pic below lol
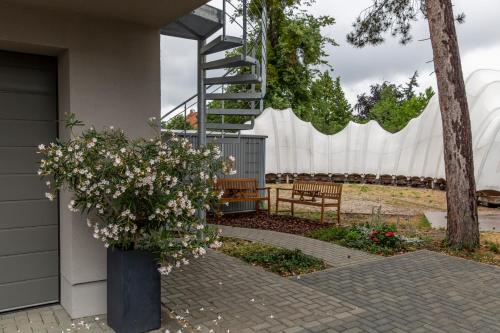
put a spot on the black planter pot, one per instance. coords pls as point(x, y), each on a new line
point(134, 300)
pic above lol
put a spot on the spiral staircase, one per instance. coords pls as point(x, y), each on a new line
point(230, 68)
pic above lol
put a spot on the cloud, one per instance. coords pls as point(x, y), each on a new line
point(178, 71)
point(358, 68)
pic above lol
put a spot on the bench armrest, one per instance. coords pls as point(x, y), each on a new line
point(263, 188)
point(284, 189)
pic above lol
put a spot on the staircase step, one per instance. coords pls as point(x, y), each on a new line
point(234, 61)
point(199, 24)
point(235, 112)
point(246, 96)
point(234, 79)
point(221, 43)
point(229, 127)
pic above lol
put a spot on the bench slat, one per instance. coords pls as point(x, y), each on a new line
point(242, 190)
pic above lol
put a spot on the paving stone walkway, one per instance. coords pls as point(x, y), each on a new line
point(50, 319)
point(487, 221)
point(223, 294)
point(422, 291)
point(54, 319)
point(334, 255)
point(417, 292)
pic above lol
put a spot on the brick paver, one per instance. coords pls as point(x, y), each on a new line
point(332, 254)
point(50, 319)
point(54, 319)
point(417, 292)
point(422, 291)
point(222, 293)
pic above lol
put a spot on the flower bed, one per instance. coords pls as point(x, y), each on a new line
point(375, 238)
point(274, 259)
point(261, 220)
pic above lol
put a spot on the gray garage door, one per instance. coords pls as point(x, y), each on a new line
point(29, 249)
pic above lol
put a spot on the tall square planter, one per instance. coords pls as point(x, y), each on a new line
point(134, 292)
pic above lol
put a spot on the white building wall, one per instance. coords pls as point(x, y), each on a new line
point(109, 74)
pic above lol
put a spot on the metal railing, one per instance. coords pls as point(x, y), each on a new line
point(259, 38)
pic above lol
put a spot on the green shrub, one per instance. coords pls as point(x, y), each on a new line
point(278, 260)
point(493, 247)
point(353, 235)
point(424, 223)
point(329, 234)
point(380, 238)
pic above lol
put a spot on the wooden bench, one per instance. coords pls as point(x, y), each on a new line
point(488, 198)
point(243, 190)
point(319, 194)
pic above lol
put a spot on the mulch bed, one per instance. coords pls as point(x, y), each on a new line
point(281, 223)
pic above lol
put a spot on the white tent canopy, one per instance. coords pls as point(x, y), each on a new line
point(295, 146)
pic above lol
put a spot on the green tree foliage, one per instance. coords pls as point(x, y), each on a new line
point(366, 102)
point(177, 123)
point(330, 109)
point(394, 16)
point(392, 114)
point(392, 106)
point(295, 49)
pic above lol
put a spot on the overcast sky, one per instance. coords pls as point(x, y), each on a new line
point(479, 40)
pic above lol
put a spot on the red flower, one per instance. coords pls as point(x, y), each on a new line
point(374, 232)
point(375, 239)
point(390, 234)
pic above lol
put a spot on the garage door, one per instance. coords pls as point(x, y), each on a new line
point(29, 249)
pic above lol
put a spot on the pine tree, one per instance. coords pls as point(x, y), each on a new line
point(396, 17)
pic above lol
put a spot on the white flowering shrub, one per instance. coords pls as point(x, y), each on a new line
point(144, 193)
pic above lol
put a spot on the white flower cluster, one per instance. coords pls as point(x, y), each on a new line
point(127, 214)
point(111, 232)
point(165, 270)
point(145, 192)
point(50, 196)
point(216, 244)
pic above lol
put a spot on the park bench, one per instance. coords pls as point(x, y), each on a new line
point(488, 198)
point(386, 180)
point(354, 178)
point(321, 177)
point(318, 194)
point(271, 178)
point(243, 190)
point(338, 177)
point(371, 179)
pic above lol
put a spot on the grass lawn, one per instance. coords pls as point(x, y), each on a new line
point(395, 200)
point(274, 259)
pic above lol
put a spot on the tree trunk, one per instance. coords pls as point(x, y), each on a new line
point(462, 227)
